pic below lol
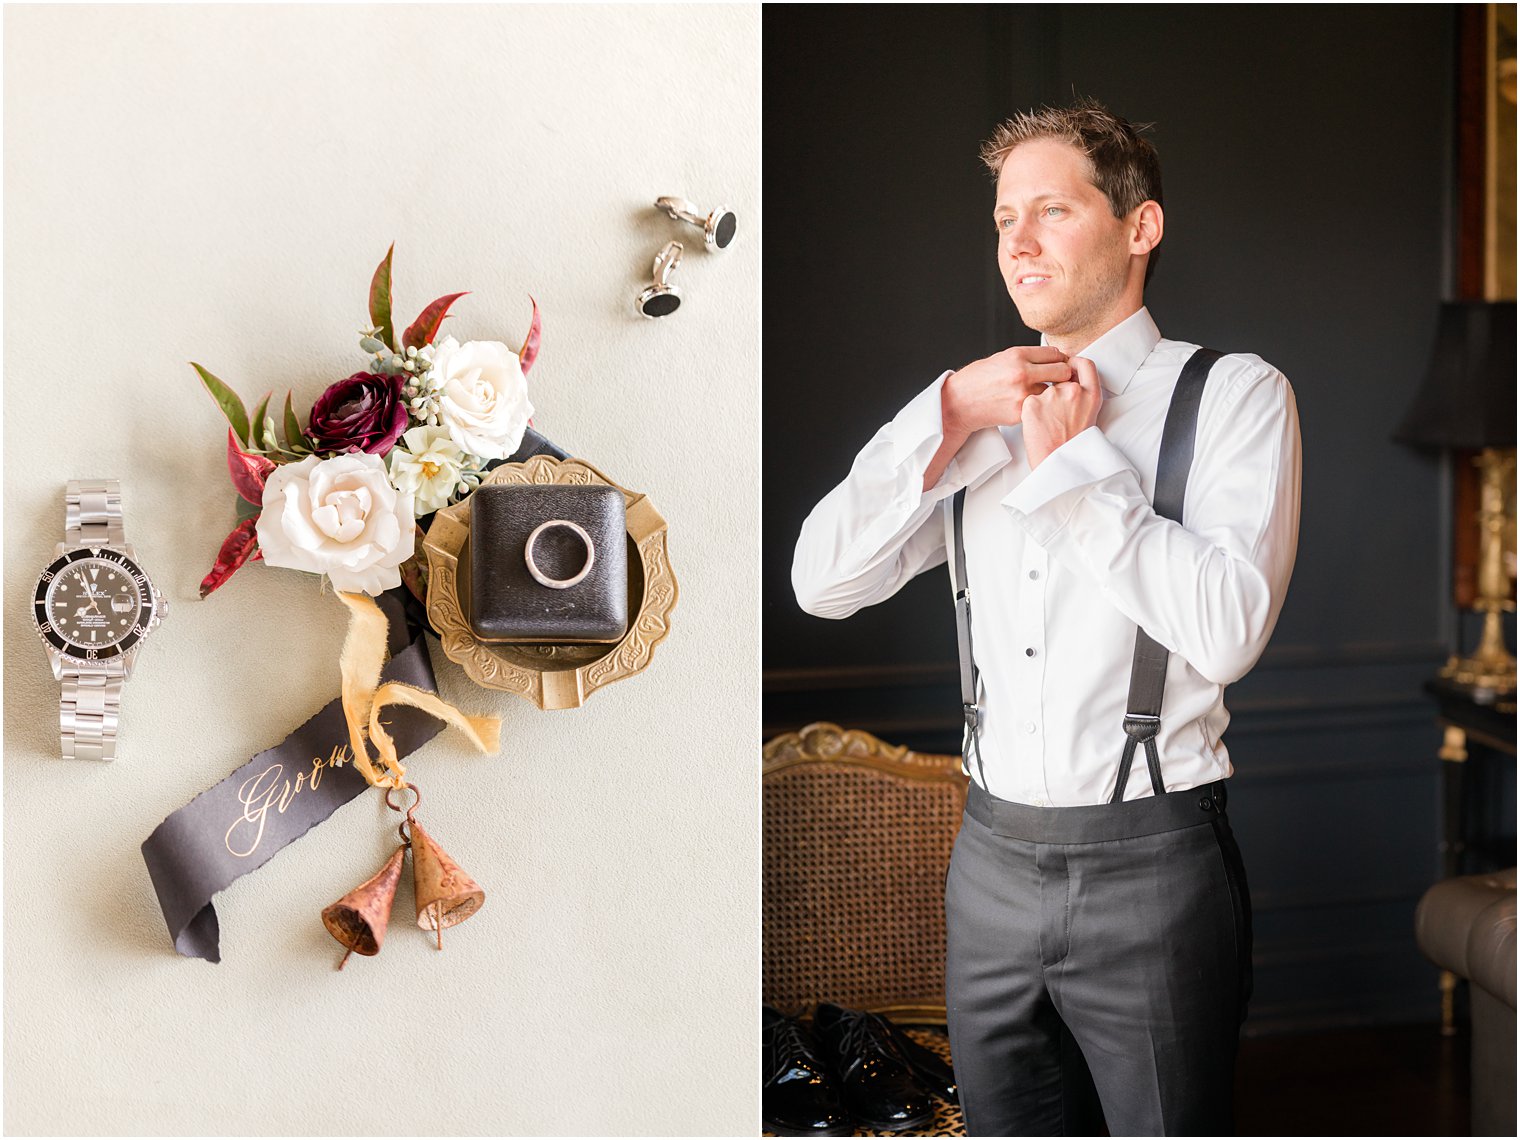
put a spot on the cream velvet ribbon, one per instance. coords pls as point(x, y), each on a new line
point(364, 697)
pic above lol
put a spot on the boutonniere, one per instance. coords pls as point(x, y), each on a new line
point(409, 434)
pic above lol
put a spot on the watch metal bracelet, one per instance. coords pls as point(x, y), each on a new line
point(92, 513)
point(90, 707)
point(89, 711)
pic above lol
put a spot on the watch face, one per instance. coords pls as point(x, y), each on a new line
point(93, 604)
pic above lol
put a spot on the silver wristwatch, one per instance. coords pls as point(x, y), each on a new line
point(92, 608)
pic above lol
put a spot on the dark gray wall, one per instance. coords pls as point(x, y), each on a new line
point(1306, 160)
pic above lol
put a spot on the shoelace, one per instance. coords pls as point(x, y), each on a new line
point(865, 1029)
point(788, 1045)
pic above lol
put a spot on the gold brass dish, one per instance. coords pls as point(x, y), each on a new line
point(551, 676)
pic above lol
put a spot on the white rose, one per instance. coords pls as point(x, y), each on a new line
point(428, 465)
point(340, 517)
point(482, 396)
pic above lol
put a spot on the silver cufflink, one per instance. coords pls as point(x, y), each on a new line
point(662, 298)
point(717, 227)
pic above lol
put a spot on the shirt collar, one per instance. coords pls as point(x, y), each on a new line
point(1119, 353)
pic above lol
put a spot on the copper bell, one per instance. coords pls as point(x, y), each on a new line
point(359, 918)
point(446, 896)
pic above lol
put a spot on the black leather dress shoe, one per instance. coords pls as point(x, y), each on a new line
point(877, 1086)
point(799, 1097)
point(927, 1065)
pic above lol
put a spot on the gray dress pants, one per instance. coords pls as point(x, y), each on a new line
point(1098, 966)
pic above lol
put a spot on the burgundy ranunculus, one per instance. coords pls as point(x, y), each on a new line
point(363, 413)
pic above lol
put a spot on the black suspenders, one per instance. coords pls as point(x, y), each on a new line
point(970, 743)
point(1147, 683)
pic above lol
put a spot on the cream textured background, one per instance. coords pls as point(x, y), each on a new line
point(217, 184)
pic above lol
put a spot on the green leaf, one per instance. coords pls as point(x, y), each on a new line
point(271, 440)
point(228, 401)
point(256, 421)
point(247, 510)
point(380, 300)
point(292, 425)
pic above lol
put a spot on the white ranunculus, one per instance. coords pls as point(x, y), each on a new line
point(340, 517)
point(428, 465)
point(482, 396)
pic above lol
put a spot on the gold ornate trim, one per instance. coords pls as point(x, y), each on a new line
point(901, 1014)
point(823, 742)
point(552, 676)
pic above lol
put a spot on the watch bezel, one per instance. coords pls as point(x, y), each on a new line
point(85, 654)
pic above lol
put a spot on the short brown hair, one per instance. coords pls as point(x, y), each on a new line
point(1123, 164)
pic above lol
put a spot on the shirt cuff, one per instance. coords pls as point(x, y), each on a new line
point(1044, 501)
point(916, 432)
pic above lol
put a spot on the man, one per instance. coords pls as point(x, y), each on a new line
point(1098, 928)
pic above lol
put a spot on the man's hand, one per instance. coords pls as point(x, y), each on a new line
point(991, 392)
point(1061, 412)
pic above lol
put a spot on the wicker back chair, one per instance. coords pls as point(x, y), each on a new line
point(857, 841)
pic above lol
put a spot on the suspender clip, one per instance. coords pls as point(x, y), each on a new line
point(973, 717)
point(1139, 726)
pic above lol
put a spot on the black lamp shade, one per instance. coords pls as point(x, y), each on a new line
point(1468, 398)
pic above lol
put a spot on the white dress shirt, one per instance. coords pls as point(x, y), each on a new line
point(1064, 562)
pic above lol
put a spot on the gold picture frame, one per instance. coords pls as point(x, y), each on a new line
point(1499, 165)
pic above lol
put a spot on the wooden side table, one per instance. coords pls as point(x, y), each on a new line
point(1463, 719)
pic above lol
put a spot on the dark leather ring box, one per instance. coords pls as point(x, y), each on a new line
point(507, 604)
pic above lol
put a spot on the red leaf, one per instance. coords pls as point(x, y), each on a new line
point(425, 327)
point(242, 542)
point(248, 471)
point(529, 351)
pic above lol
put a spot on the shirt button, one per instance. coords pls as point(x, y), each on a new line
point(1034, 575)
point(1029, 726)
point(1029, 652)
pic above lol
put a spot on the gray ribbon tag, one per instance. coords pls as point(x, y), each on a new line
point(241, 823)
